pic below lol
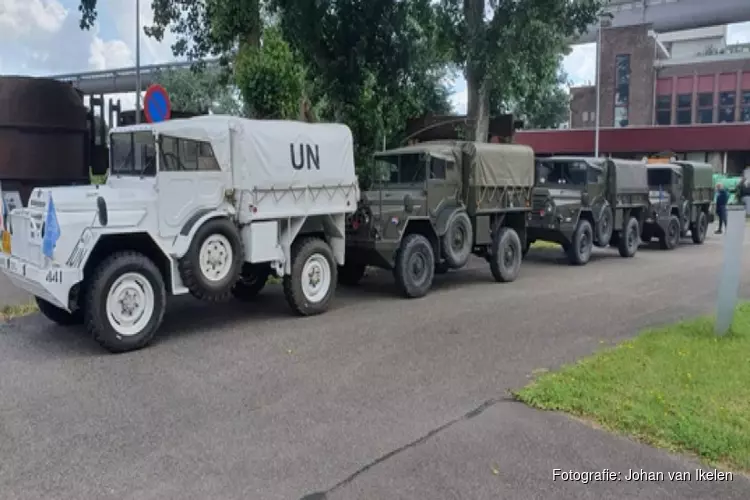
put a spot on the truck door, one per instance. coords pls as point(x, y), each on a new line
point(190, 180)
point(442, 183)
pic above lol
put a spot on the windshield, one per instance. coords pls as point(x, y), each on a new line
point(401, 169)
point(133, 153)
point(562, 172)
point(659, 176)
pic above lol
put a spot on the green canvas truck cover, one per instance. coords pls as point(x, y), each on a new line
point(500, 165)
point(697, 175)
point(492, 165)
point(632, 176)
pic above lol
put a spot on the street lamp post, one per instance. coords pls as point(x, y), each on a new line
point(598, 89)
point(137, 61)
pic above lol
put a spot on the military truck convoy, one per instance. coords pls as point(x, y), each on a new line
point(215, 205)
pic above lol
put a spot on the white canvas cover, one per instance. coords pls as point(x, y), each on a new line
point(259, 152)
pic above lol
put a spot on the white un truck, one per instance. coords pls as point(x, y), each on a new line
point(211, 205)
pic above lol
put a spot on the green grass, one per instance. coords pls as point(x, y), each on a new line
point(678, 387)
point(544, 244)
point(9, 312)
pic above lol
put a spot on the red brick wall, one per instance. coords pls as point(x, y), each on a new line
point(582, 100)
point(635, 41)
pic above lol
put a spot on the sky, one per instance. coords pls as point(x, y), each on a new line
point(42, 37)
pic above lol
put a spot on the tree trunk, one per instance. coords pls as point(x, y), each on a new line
point(478, 106)
point(478, 85)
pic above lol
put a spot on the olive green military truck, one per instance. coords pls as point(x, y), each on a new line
point(434, 204)
point(580, 202)
point(680, 198)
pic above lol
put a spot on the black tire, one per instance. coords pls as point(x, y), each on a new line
point(604, 227)
point(57, 315)
point(699, 228)
point(670, 238)
point(138, 272)
point(579, 252)
point(628, 242)
point(507, 254)
point(194, 277)
point(319, 255)
point(458, 240)
point(415, 266)
point(252, 280)
point(351, 273)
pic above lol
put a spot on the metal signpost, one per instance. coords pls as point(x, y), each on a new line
point(156, 105)
point(729, 279)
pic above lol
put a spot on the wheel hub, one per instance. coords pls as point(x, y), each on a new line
point(130, 304)
point(316, 278)
point(216, 257)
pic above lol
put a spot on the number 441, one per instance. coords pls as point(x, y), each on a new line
point(54, 276)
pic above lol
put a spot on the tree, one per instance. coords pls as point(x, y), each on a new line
point(508, 50)
point(200, 91)
point(271, 78)
point(547, 109)
point(374, 63)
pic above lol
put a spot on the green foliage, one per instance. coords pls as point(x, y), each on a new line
point(513, 56)
point(374, 63)
point(680, 387)
point(200, 91)
point(270, 78)
point(548, 108)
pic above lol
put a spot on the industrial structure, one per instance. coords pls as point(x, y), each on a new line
point(685, 92)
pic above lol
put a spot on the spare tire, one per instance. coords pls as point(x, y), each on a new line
point(213, 263)
point(458, 240)
point(604, 227)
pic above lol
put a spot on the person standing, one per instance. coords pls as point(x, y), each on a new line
point(722, 198)
point(743, 191)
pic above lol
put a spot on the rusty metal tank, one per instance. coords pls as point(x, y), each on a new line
point(44, 134)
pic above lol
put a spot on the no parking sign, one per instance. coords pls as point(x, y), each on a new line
point(156, 105)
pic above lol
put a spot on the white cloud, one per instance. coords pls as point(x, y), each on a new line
point(739, 33)
point(109, 54)
point(22, 18)
point(580, 64)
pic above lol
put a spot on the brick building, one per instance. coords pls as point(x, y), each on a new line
point(659, 84)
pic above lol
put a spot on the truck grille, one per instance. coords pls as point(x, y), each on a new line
point(26, 236)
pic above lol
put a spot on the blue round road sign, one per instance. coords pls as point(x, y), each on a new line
point(156, 105)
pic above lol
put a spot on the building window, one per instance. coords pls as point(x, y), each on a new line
point(585, 117)
point(745, 110)
point(726, 107)
point(684, 109)
point(664, 110)
point(705, 108)
point(622, 89)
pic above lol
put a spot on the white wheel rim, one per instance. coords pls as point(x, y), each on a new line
point(215, 258)
point(316, 278)
point(130, 304)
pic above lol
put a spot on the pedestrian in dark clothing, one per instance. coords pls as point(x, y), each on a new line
point(722, 198)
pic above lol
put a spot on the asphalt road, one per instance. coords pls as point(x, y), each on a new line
point(380, 398)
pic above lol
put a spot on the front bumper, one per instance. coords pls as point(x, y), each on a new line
point(52, 284)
